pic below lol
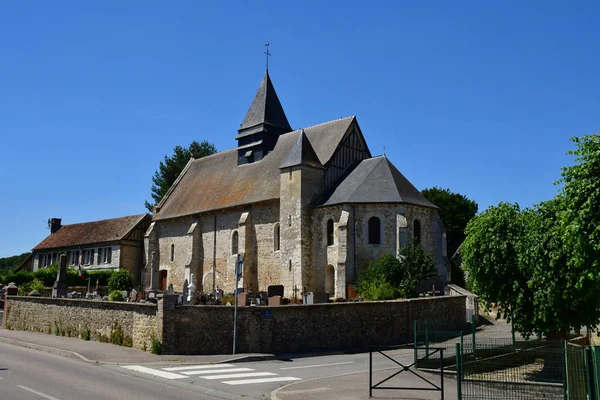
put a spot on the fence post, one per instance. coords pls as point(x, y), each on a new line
point(461, 340)
point(415, 338)
point(473, 333)
point(587, 351)
point(563, 346)
point(442, 372)
point(458, 371)
point(426, 340)
point(370, 372)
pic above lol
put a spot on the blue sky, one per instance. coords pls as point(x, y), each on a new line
point(479, 97)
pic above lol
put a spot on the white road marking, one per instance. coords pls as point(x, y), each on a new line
point(231, 376)
point(216, 371)
point(198, 367)
point(156, 372)
point(263, 380)
point(37, 393)
point(320, 365)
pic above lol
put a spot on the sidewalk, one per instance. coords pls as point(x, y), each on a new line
point(356, 387)
point(107, 353)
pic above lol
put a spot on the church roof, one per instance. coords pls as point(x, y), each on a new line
point(107, 230)
point(216, 181)
point(302, 154)
point(375, 180)
point(265, 111)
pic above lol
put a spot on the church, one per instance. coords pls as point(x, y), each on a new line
point(303, 208)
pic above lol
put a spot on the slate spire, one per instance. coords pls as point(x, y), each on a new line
point(265, 113)
point(302, 154)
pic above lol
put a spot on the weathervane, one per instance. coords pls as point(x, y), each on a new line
point(267, 53)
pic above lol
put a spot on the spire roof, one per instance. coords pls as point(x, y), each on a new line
point(302, 154)
point(265, 112)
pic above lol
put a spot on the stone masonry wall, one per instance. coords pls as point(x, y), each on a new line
point(299, 328)
point(134, 324)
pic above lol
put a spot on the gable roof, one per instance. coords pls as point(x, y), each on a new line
point(375, 180)
point(302, 154)
point(265, 109)
point(107, 230)
point(216, 181)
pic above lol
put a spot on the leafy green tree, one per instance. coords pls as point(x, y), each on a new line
point(8, 264)
point(120, 280)
point(390, 277)
point(170, 168)
point(456, 210)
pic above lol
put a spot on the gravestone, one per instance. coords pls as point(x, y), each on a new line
point(60, 285)
point(309, 298)
point(186, 293)
point(170, 289)
point(275, 290)
point(133, 295)
point(275, 301)
point(321, 297)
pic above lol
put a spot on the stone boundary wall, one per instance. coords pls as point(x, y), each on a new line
point(129, 324)
point(472, 301)
point(209, 329)
point(300, 328)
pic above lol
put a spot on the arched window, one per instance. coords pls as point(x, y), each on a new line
point(172, 252)
point(417, 231)
point(330, 232)
point(374, 230)
point(235, 239)
point(276, 237)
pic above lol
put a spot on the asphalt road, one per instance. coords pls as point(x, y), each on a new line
point(27, 374)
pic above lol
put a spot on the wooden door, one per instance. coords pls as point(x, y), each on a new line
point(163, 279)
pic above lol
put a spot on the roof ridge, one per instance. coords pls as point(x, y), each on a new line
point(325, 123)
point(107, 219)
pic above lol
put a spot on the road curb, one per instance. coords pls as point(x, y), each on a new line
point(47, 349)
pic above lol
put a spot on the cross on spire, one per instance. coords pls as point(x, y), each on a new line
point(267, 53)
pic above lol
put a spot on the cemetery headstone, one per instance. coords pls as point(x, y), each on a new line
point(60, 285)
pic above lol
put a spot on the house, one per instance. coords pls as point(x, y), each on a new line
point(305, 208)
point(115, 243)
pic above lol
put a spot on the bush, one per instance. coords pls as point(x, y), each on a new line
point(46, 275)
point(19, 278)
point(101, 276)
point(155, 346)
point(120, 280)
point(116, 295)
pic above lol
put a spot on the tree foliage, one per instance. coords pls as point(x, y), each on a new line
point(456, 210)
point(8, 264)
point(120, 280)
point(170, 168)
point(542, 264)
point(389, 277)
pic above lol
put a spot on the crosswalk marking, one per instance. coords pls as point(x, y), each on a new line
point(216, 371)
point(231, 376)
point(155, 372)
point(187, 367)
point(230, 373)
point(263, 380)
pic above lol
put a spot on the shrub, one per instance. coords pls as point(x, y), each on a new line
point(155, 346)
point(46, 275)
point(19, 278)
point(120, 280)
point(116, 295)
point(85, 335)
point(101, 276)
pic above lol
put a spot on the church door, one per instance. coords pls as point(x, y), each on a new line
point(163, 279)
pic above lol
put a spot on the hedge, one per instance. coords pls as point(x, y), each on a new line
point(48, 277)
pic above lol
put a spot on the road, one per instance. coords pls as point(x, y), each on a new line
point(27, 374)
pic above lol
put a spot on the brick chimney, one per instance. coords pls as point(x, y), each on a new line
point(55, 225)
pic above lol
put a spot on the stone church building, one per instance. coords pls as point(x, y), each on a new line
point(305, 208)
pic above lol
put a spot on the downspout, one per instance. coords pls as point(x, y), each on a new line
point(214, 254)
point(354, 242)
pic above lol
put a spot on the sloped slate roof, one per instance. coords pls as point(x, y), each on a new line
point(217, 182)
point(265, 109)
point(302, 154)
point(375, 180)
point(108, 230)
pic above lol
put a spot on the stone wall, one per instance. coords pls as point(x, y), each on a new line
point(300, 328)
point(134, 324)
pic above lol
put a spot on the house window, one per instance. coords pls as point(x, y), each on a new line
point(44, 260)
point(330, 232)
point(88, 257)
point(172, 257)
point(276, 237)
point(417, 231)
point(374, 230)
point(105, 255)
point(235, 241)
point(74, 257)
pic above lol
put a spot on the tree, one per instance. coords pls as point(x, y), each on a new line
point(541, 265)
point(120, 280)
point(170, 168)
point(389, 277)
point(456, 210)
